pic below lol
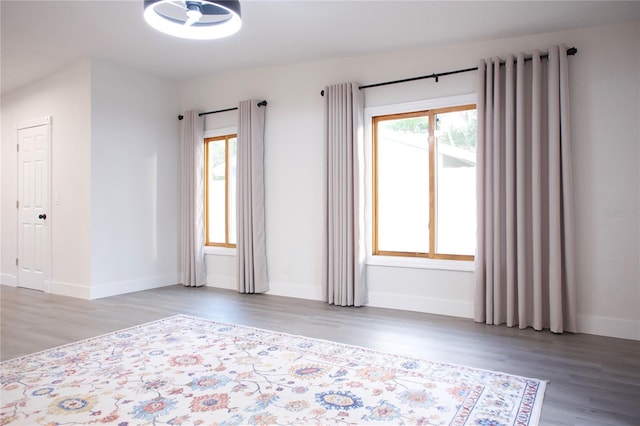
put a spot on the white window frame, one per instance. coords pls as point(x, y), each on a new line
point(399, 261)
point(214, 133)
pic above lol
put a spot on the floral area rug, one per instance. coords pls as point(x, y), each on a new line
point(191, 371)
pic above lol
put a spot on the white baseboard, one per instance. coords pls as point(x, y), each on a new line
point(8, 280)
point(122, 287)
point(588, 324)
point(453, 308)
point(55, 287)
point(276, 288)
point(80, 291)
point(85, 291)
point(382, 300)
point(611, 327)
point(227, 283)
point(298, 291)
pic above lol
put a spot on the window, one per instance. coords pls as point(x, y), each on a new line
point(423, 186)
point(220, 190)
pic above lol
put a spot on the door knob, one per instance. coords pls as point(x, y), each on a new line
point(42, 216)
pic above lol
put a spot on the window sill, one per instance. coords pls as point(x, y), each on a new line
point(219, 251)
point(421, 263)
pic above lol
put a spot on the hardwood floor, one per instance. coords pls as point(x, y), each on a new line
point(593, 380)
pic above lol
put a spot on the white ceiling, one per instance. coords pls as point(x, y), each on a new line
point(40, 37)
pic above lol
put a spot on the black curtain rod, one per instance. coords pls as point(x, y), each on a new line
point(570, 51)
point(261, 103)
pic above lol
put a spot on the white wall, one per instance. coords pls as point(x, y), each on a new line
point(114, 217)
point(66, 97)
point(134, 180)
point(605, 132)
point(606, 146)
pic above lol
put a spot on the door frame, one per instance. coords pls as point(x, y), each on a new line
point(47, 257)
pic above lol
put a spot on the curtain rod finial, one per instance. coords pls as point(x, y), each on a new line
point(180, 117)
point(572, 51)
point(262, 103)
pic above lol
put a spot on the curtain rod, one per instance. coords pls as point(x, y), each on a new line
point(261, 103)
point(570, 51)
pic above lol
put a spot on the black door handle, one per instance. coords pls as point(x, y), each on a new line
point(42, 216)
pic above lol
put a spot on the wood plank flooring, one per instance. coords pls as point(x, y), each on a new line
point(593, 380)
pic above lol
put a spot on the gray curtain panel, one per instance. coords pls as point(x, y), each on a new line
point(192, 266)
point(343, 266)
point(251, 245)
point(525, 256)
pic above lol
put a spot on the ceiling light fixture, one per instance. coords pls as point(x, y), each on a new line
point(198, 20)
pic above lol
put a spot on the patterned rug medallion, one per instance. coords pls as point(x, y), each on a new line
point(191, 371)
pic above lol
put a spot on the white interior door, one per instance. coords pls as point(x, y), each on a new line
point(34, 146)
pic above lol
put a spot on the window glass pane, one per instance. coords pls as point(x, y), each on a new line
point(403, 184)
point(455, 182)
point(216, 191)
point(233, 160)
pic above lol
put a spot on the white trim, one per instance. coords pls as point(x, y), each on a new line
point(80, 291)
point(393, 261)
point(32, 123)
point(449, 101)
point(224, 131)
point(607, 326)
point(421, 263)
point(130, 286)
point(9, 280)
point(429, 305)
point(298, 291)
point(89, 292)
point(227, 283)
point(219, 251)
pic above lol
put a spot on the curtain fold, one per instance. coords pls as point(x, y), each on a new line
point(343, 254)
point(251, 244)
point(525, 257)
point(192, 264)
